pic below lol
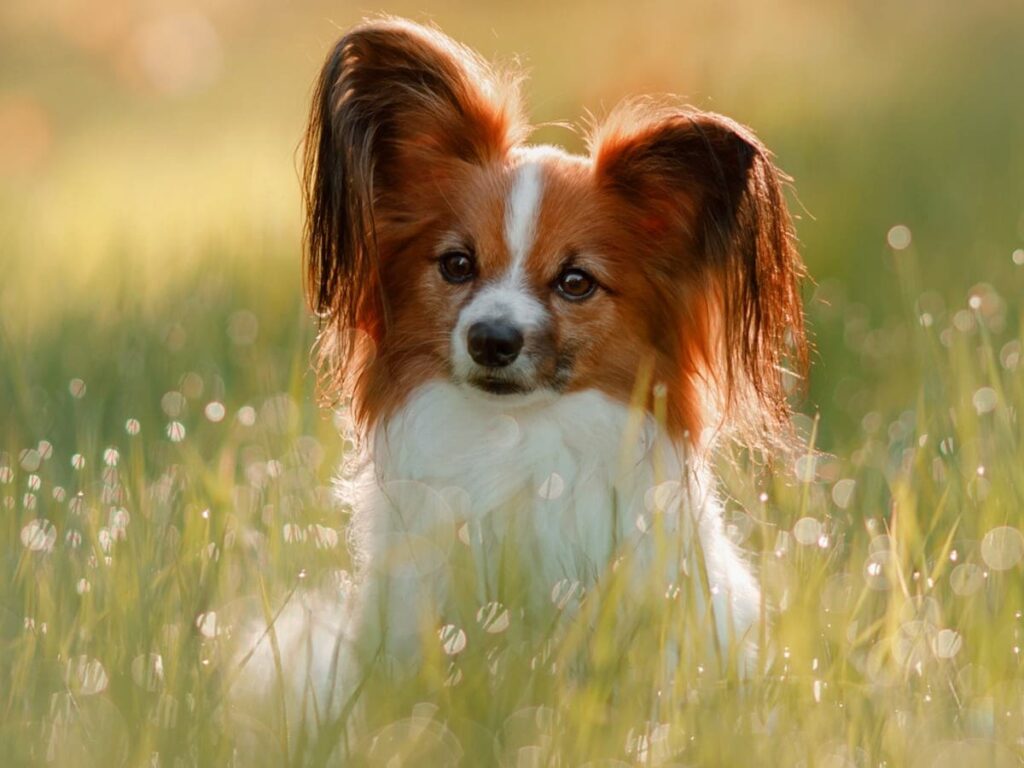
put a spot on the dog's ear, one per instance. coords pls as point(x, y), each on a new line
point(396, 102)
point(704, 194)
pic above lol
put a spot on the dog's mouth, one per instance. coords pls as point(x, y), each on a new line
point(498, 386)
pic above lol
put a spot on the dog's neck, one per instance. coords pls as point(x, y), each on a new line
point(575, 476)
point(494, 448)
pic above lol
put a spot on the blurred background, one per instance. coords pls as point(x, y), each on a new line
point(148, 150)
point(164, 460)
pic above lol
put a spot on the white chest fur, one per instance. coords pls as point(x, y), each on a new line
point(567, 482)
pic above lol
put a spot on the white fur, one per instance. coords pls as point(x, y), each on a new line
point(509, 297)
point(499, 301)
point(579, 477)
point(521, 211)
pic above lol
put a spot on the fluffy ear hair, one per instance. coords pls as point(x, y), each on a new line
point(706, 192)
point(395, 101)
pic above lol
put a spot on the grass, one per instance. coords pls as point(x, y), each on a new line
point(165, 471)
point(165, 474)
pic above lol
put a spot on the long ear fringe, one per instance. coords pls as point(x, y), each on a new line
point(339, 232)
point(764, 339)
point(752, 266)
point(383, 76)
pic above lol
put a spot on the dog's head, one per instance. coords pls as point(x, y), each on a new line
point(440, 246)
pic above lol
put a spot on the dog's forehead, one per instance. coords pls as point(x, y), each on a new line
point(514, 207)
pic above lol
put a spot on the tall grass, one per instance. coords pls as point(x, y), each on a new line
point(165, 471)
point(169, 479)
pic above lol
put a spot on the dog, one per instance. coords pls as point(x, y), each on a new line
point(541, 350)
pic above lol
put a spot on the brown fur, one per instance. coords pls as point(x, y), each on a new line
point(678, 213)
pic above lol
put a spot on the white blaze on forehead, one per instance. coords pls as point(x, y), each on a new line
point(522, 209)
point(508, 296)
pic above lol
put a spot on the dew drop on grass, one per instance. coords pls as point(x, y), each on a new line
point(947, 643)
point(899, 237)
point(966, 579)
point(293, 533)
point(662, 497)
point(806, 468)
point(1002, 548)
point(45, 449)
point(86, 676)
point(842, 492)
point(1009, 355)
point(59, 494)
point(493, 618)
point(246, 415)
point(176, 431)
point(453, 639)
point(806, 531)
point(324, 537)
point(964, 321)
point(172, 404)
point(454, 676)
point(34, 483)
point(876, 568)
point(111, 457)
point(118, 519)
point(77, 388)
point(214, 412)
point(1018, 257)
point(78, 461)
point(783, 544)
point(6, 475)
point(206, 623)
point(985, 400)
point(83, 586)
point(39, 535)
point(29, 459)
point(77, 504)
point(132, 427)
point(565, 591)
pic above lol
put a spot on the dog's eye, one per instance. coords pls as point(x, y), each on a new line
point(457, 266)
point(575, 284)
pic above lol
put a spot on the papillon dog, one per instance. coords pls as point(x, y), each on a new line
point(539, 350)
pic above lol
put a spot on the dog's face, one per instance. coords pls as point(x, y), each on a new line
point(441, 247)
point(518, 282)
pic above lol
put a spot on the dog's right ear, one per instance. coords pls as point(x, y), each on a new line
point(397, 105)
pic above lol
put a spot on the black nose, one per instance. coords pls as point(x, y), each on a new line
point(494, 343)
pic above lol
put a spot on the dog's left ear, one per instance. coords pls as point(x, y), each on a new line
point(706, 202)
point(398, 109)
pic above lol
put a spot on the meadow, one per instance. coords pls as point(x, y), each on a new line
point(166, 467)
